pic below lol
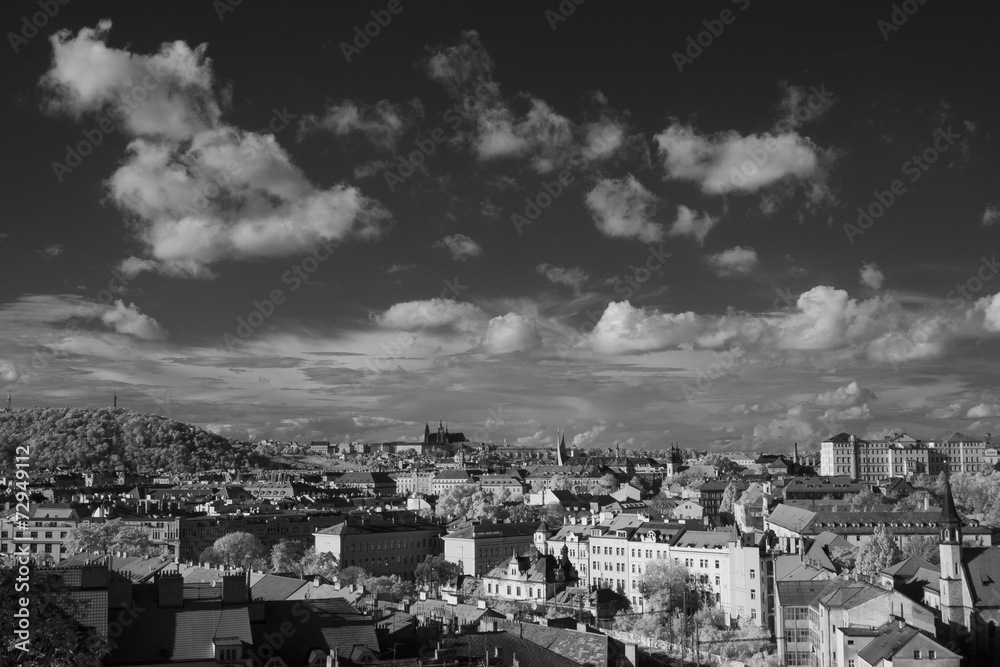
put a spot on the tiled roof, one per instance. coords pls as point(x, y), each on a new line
point(490, 530)
point(157, 635)
point(887, 644)
point(317, 624)
point(268, 587)
point(794, 519)
point(582, 648)
point(983, 566)
point(799, 593)
point(528, 653)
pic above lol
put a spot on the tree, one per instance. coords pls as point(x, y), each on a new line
point(466, 501)
point(435, 570)
point(324, 564)
point(133, 540)
point(865, 501)
point(668, 586)
point(240, 549)
point(608, 483)
point(209, 556)
point(844, 558)
point(92, 537)
point(56, 637)
point(352, 575)
point(924, 547)
point(560, 482)
point(288, 556)
point(523, 513)
point(729, 497)
point(878, 553)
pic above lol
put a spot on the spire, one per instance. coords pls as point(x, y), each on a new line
point(115, 400)
point(8, 400)
point(949, 522)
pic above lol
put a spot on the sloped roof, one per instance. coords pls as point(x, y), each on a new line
point(529, 654)
point(983, 566)
point(891, 639)
point(799, 593)
point(272, 587)
point(583, 648)
point(319, 624)
point(179, 634)
point(794, 519)
point(908, 567)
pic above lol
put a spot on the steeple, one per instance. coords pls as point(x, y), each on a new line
point(949, 522)
point(114, 403)
point(8, 400)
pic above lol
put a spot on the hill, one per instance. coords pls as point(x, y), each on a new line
point(109, 438)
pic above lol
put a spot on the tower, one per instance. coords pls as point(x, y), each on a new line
point(954, 610)
point(114, 403)
point(427, 433)
point(560, 448)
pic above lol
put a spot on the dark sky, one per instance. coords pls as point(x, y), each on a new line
point(695, 271)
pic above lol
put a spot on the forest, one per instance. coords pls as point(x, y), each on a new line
point(115, 438)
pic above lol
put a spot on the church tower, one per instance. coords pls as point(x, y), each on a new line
point(561, 448)
point(955, 613)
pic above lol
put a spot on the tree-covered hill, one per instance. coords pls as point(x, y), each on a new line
point(111, 438)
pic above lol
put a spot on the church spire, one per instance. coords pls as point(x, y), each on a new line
point(949, 522)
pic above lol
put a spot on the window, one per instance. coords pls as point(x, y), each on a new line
point(932, 654)
point(916, 654)
point(753, 594)
point(753, 574)
point(850, 663)
point(716, 565)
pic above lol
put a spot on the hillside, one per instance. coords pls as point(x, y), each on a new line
point(106, 438)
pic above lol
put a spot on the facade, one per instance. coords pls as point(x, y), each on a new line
point(480, 547)
point(449, 479)
point(531, 576)
point(900, 455)
point(375, 483)
point(198, 533)
point(380, 546)
point(615, 552)
point(414, 482)
point(43, 532)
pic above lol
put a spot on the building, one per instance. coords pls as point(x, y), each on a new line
point(414, 482)
point(900, 455)
point(444, 480)
point(45, 528)
point(793, 525)
point(481, 546)
point(532, 576)
point(375, 483)
point(381, 546)
point(200, 532)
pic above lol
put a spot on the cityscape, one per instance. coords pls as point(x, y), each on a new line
point(522, 334)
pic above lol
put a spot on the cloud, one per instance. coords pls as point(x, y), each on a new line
point(537, 439)
point(625, 329)
point(489, 210)
point(167, 95)
point(800, 106)
point(575, 277)
point(983, 410)
point(623, 208)
point(198, 192)
point(369, 422)
point(511, 333)
point(728, 162)
point(432, 314)
point(495, 130)
point(990, 306)
point(991, 215)
point(589, 438)
point(52, 251)
point(382, 124)
point(734, 261)
point(128, 320)
point(689, 223)
point(871, 276)
point(951, 412)
point(848, 396)
point(460, 246)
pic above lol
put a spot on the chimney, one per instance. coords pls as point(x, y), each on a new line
point(927, 503)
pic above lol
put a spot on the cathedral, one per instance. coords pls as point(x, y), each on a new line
point(442, 436)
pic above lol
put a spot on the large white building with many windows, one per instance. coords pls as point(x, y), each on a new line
point(900, 455)
point(614, 554)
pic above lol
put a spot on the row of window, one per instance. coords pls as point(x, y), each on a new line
point(391, 545)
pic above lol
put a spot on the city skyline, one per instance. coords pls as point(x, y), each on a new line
point(698, 225)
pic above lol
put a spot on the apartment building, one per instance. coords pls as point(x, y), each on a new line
point(381, 546)
point(483, 545)
point(900, 455)
point(414, 482)
point(44, 529)
point(614, 554)
point(200, 532)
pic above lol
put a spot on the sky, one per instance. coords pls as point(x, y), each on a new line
point(732, 226)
